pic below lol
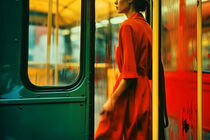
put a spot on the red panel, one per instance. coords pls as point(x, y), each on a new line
point(206, 100)
point(181, 97)
point(206, 12)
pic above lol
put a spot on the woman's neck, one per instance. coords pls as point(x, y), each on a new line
point(130, 12)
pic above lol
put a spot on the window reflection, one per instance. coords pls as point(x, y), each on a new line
point(179, 56)
point(54, 42)
point(106, 38)
point(206, 35)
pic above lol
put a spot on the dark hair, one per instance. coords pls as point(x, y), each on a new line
point(140, 5)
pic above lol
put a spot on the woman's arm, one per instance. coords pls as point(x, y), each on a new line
point(123, 85)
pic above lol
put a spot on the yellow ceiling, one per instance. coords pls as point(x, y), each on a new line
point(70, 10)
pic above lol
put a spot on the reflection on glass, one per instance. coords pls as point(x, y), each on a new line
point(206, 50)
point(178, 47)
point(206, 36)
point(206, 67)
point(106, 39)
point(54, 42)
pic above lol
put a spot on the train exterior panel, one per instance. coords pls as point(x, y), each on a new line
point(49, 94)
point(45, 113)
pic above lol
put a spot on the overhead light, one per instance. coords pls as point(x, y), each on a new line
point(102, 23)
point(117, 20)
point(65, 32)
point(75, 29)
point(98, 25)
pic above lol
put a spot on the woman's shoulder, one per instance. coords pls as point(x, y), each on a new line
point(133, 25)
point(128, 22)
point(125, 25)
point(136, 27)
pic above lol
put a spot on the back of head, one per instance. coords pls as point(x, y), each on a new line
point(140, 5)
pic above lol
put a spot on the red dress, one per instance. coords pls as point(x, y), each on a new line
point(131, 118)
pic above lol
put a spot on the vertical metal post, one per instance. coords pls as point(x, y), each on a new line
point(56, 42)
point(199, 68)
point(155, 69)
point(49, 26)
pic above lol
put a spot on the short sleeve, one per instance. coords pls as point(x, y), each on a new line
point(129, 66)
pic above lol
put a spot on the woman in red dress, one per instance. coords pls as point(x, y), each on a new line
point(127, 113)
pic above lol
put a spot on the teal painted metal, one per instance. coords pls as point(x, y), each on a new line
point(42, 100)
point(43, 121)
point(48, 114)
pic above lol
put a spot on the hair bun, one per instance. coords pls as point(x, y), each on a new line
point(140, 5)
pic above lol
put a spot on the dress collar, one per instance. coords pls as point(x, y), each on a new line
point(137, 16)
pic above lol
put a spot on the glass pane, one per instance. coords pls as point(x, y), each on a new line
point(106, 38)
point(206, 35)
point(206, 67)
point(179, 38)
point(54, 42)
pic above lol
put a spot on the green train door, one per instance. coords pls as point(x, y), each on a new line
point(47, 70)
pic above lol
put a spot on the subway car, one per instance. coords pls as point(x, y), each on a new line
point(57, 66)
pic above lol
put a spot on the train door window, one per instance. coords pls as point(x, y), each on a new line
point(206, 51)
point(179, 56)
point(54, 42)
point(106, 39)
point(206, 35)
